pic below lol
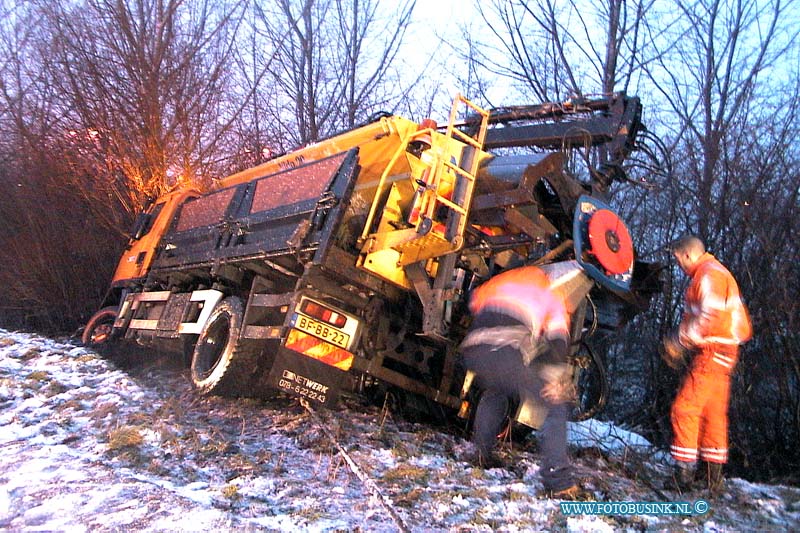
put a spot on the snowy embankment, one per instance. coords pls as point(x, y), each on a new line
point(86, 446)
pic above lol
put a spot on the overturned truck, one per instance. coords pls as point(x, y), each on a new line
point(346, 265)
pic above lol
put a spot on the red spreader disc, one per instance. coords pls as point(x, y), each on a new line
point(610, 241)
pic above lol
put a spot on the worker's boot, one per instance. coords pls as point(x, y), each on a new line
point(716, 481)
point(683, 476)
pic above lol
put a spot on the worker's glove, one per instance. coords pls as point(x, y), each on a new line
point(673, 352)
point(558, 387)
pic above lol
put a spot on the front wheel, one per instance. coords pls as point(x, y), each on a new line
point(98, 329)
point(221, 362)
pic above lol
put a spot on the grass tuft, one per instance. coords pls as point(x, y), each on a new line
point(124, 437)
point(54, 389)
point(407, 473)
point(38, 375)
point(31, 353)
point(410, 498)
point(231, 492)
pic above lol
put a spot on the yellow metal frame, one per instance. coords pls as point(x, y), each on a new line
point(418, 243)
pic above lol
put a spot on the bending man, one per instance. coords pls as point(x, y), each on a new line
point(518, 345)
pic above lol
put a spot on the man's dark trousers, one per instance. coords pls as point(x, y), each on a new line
point(502, 376)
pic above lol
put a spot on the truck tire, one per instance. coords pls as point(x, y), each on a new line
point(98, 329)
point(221, 362)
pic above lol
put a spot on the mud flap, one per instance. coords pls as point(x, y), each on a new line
point(305, 377)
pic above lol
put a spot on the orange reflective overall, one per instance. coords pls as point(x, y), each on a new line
point(715, 322)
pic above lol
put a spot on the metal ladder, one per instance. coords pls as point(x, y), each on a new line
point(435, 237)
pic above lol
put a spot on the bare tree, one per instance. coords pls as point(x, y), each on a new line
point(102, 103)
point(551, 50)
point(760, 244)
point(708, 75)
point(145, 87)
point(55, 254)
point(335, 64)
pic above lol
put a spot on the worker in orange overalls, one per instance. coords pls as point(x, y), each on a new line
point(714, 324)
point(518, 344)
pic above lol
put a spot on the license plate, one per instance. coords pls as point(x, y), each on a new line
point(322, 331)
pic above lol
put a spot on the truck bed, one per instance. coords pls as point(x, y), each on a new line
point(269, 217)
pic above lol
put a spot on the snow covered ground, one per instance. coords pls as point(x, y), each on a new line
point(86, 446)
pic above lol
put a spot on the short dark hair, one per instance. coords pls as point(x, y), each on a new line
point(687, 243)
